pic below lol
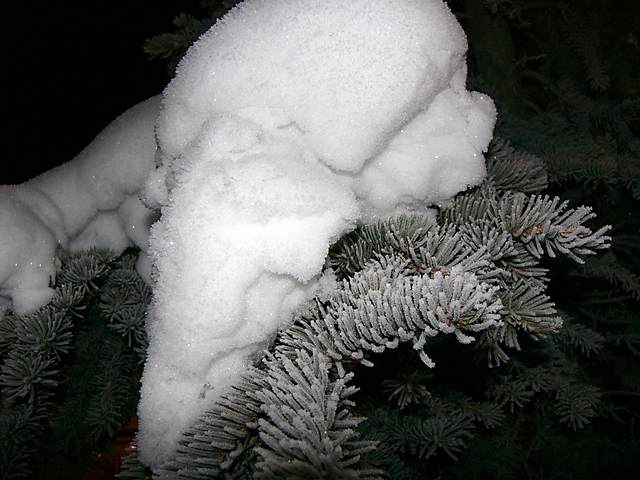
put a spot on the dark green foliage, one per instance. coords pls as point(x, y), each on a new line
point(33, 349)
point(579, 338)
point(69, 375)
point(433, 428)
point(122, 302)
point(132, 469)
point(171, 47)
point(610, 269)
point(575, 67)
point(589, 42)
point(408, 388)
point(511, 169)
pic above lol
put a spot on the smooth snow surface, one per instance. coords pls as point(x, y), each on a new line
point(288, 122)
point(91, 201)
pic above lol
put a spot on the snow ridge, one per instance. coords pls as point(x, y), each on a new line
point(90, 201)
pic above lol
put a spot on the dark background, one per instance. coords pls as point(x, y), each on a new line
point(71, 68)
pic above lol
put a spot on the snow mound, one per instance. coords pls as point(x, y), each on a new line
point(90, 201)
point(286, 123)
point(349, 74)
point(233, 255)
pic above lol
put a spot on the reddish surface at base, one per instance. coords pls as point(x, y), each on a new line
point(103, 465)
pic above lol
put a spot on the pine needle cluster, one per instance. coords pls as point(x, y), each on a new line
point(69, 372)
point(471, 272)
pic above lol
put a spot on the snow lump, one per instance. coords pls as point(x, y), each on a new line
point(288, 122)
point(90, 201)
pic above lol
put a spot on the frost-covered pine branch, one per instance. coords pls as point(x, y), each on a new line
point(300, 391)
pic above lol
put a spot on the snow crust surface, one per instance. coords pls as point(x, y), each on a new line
point(90, 201)
point(288, 122)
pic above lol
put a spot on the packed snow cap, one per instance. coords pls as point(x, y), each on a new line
point(288, 122)
point(90, 201)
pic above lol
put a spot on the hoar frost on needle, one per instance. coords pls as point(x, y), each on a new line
point(288, 122)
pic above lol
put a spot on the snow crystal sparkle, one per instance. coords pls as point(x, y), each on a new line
point(91, 201)
point(287, 123)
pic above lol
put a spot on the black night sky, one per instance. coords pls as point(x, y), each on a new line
point(71, 68)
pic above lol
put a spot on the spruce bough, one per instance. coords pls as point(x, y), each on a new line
point(471, 269)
